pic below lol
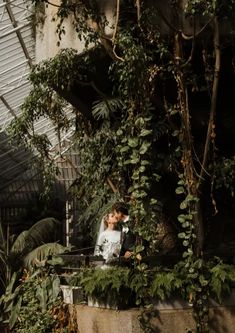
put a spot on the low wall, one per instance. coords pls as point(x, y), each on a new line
point(168, 319)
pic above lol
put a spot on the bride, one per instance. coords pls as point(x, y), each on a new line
point(109, 241)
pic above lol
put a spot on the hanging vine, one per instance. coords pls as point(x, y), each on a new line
point(138, 133)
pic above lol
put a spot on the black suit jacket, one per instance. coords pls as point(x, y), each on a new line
point(128, 241)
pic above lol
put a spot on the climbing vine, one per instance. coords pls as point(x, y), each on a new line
point(138, 131)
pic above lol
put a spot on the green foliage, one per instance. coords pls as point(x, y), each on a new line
point(104, 109)
point(222, 279)
point(30, 246)
point(132, 73)
point(210, 7)
point(165, 284)
point(225, 174)
point(139, 134)
point(31, 306)
point(209, 279)
point(109, 285)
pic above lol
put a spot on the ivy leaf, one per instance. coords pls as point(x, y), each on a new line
point(179, 190)
point(119, 132)
point(133, 142)
point(203, 281)
point(127, 162)
point(134, 160)
point(145, 132)
point(183, 204)
point(139, 194)
point(142, 168)
point(145, 162)
point(144, 147)
point(124, 149)
point(181, 218)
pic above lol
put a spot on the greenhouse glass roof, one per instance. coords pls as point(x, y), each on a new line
point(17, 54)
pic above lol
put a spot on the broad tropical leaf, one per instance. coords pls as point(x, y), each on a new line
point(38, 255)
point(44, 231)
point(2, 238)
point(20, 242)
point(15, 312)
point(103, 109)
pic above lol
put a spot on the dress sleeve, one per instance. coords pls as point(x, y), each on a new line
point(98, 247)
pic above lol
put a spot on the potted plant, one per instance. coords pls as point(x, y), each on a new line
point(108, 288)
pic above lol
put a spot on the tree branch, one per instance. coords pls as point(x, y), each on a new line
point(115, 31)
point(211, 123)
point(114, 189)
point(184, 36)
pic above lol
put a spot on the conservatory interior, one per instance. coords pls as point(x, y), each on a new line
point(108, 104)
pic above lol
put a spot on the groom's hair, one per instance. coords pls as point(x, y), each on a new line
point(120, 207)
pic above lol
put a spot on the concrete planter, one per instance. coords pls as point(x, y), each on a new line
point(72, 295)
point(95, 303)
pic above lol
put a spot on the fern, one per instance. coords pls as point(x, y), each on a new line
point(109, 285)
point(166, 284)
point(222, 276)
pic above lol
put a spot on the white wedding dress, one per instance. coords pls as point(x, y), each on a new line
point(108, 244)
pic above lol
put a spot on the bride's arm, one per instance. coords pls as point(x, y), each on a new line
point(98, 246)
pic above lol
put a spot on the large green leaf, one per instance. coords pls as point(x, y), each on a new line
point(44, 231)
point(20, 242)
point(2, 238)
point(39, 254)
point(15, 312)
point(42, 295)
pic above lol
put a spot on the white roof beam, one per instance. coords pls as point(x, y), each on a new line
point(14, 23)
point(7, 106)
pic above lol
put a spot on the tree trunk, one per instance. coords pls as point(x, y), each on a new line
point(187, 148)
point(211, 124)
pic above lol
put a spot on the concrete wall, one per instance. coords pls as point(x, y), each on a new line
point(47, 38)
point(97, 320)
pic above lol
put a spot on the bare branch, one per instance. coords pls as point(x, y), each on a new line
point(114, 189)
point(115, 31)
point(211, 123)
point(184, 36)
point(137, 3)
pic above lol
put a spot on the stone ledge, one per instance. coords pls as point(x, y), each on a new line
point(97, 320)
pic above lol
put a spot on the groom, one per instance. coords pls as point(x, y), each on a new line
point(120, 211)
